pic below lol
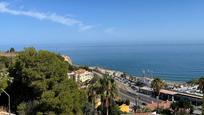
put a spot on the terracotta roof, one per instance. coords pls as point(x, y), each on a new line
point(168, 92)
point(163, 104)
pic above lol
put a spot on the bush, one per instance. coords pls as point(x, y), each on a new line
point(127, 102)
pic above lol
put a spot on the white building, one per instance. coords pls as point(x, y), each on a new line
point(81, 75)
point(147, 81)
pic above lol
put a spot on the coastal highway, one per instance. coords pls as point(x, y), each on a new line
point(142, 98)
point(127, 93)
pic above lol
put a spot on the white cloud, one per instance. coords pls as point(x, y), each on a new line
point(109, 30)
point(4, 8)
point(85, 27)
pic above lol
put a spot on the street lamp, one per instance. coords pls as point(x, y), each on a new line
point(8, 100)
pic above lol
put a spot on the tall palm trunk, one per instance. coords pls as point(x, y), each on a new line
point(157, 84)
point(107, 103)
point(158, 102)
point(94, 104)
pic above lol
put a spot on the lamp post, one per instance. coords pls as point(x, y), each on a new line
point(8, 100)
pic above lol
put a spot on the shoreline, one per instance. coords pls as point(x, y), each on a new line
point(171, 78)
point(111, 71)
point(130, 81)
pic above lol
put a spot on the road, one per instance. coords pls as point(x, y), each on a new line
point(132, 96)
point(127, 93)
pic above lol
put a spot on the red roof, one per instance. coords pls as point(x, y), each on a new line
point(163, 104)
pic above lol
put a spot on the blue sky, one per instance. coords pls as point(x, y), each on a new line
point(67, 21)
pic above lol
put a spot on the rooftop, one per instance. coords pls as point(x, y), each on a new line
point(12, 54)
point(80, 71)
point(168, 92)
point(163, 104)
point(146, 88)
point(191, 95)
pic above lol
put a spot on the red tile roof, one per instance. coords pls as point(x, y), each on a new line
point(163, 104)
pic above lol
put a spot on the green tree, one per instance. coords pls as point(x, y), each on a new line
point(157, 84)
point(88, 109)
point(115, 110)
point(12, 50)
point(193, 82)
point(106, 88)
point(174, 107)
point(4, 75)
point(4, 62)
point(166, 112)
point(201, 87)
point(41, 85)
point(127, 102)
point(108, 92)
point(182, 107)
point(4, 80)
point(93, 90)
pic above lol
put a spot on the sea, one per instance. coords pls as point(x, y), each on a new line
point(169, 61)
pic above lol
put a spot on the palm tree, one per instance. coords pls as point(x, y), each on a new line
point(157, 84)
point(106, 89)
point(201, 87)
point(93, 92)
point(92, 96)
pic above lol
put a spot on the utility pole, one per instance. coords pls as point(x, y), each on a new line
point(9, 106)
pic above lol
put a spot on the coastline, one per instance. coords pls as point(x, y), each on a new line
point(118, 73)
point(129, 82)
